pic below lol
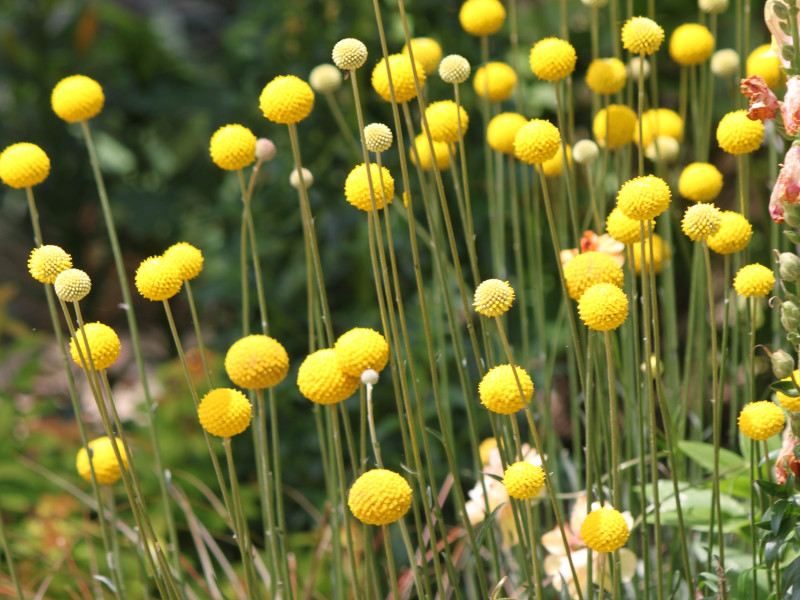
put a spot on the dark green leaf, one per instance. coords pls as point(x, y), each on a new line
point(773, 489)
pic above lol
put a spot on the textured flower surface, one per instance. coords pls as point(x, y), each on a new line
point(644, 197)
point(379, 497)
point(701, 182)
point(734, 234)
point(24, 165)
point(641, 35)
point(691, 44)
point(72, 285)
point(606, 75)
point(620, 123)
point(552, 59)
point(158, 279)
point(736, 134)
point(493, 297)
point(225, 412)
point(790, 403)
point(454, 68)
point(186, 258)
point(233, 147)
point(503, 129)
point(349, 54)
point(754, 280)
point(499, 392)
point(104, 461)
point(286, 99)
point(360, 349)
point(322, 381)
point(104, 346)
point(77, 98)
point(357, 187)
point(482, 17)
point(444, 118)
point(761, 420)
point(402, 78)
point(537, 141)
point(427, 52)
point(701, 221)
point(790, 107)
point(763, 102)
point(47, 262)
point(378, 137)
point(588, 269)
point(523, 480)
point(787, 186)
point(605, 530)
point(603, 307)
point(624, 229)
point(256, 362)
point(496, 80)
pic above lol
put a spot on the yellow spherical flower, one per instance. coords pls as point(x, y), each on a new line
point(378, 137)
point(427, 52)
point(482, 17)
point(644, 197)
point(402, 78)
point(485, 447)
point(503, 129)
point(537, 141)
point(790, 403)
point(661, 254)
point(523, 480)
point(499, 392)
point(606, 75)
point(619, 120)
point(187, 259)
point(24, 165)
point(349, 54)
point(233, 147)
point(552, 59)
point(454, 68)
point(623, 228)
point(286, 99)
point(493, 298)
point(496, 79)
point(356, 187)
point(759, 421)
point(659, 122)
point(424, 151)
point(322, 381)
point(605, 530)
point(104, 346)
point(769, 66)
point(360, 349)
point(158, 279)
point(588, 269)
point(737, 134)
point(754, 280)
point(701, 221)
point(443, 120)
point(603, 307)
point(641, 35)
point(554, 166)
point(104, 461)
point(691, 44)
point(734, 234)
point(77, 98)
point(46, 262)
point(72, 285)
point(701, 182)
point(379, 497)
point(225, 412)
point(256, 362)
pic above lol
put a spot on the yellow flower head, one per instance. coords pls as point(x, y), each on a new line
point(588, 269)
point(603, 307)
point(523, 480)
point(606, 76)
point(378, 137)
point(552, 59)
point(360, 349)
point(503, 129)
point(233, 147)
point(734, 234)
point(286, 99)
point(790, 403)
point(701, 182)
point(104, 461)
point(427, 52)
point(701, 221)
point(379, 497)
point(24, 165)
point(72, 285)
point(661, 253)
point(325, 78)
point(158, 279)
point(103, 344)
point(46, 262)
point(356, 187)
point(623, 228)
point(322, 381)
point(537, 141)
point(644, 197)
point(554, 166)
point(443, 120)
point(454, 68)
point(349, 54)
point(605, 530)
point(402, 78)
point(659, 122)
point(186, 258)
point(641, 35)
point(256, 362)
point(493, 298)
point(766, 65)
point(499, 392)
point(759, 421)
point(754, 280)
point(482, 17)
point(497, 79)
point(621, 125)
point(77, 98)
point(737, 134)
point(225, 412)
point(691, 44)
point(424, 152)
point(485, 447)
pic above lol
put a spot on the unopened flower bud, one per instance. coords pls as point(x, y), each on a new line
point(369, 377)
point(789, 266)
point(782, 364)
point(265, 149)
point(725, 63)
point(790, 316)
point(585, 152)
point(294, 179)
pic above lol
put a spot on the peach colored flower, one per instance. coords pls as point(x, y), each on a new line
point(763, 102)
point(790, 107)
point(786, 460)
point(600, 243)
point(787, 185)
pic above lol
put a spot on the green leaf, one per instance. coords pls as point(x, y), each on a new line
point(703, 454)
point(786, 387)
point(792, 236)
point(773, 489)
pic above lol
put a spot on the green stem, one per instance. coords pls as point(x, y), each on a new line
point(12, 570)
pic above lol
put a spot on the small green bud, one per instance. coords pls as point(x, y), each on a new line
point(790, 316)
point(789, 266)
point(782, 364)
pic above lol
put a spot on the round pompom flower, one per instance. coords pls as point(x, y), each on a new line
point(454, 68)
point(503, 129)
point(658, 122)
point(754, 280)
point(497, 79)
point(233, 147)
point(701, 221)
point(701, 182)
point(663, 149)
point(588, 269)
point(482, 17)
point(427, 52)
point(606, 75)
point(737, 134)
point(46, 262)
point(349, 54)
point(493, 298)
point(586, 152)
point(523, 480)
point(623, 228)
point(661, 253)
point(296, 183)
point(641, 35)
point(767, 65)
point(158, 279)
point(605, 530)
point(443, 120)
point(621, 125)
point(761, 420)
point(104, 346)
point(603, 307)
point(325, 78)
point(256, 362)
point(554, 166)
point(691, 44)
point(24, 165)
point(77, 98)
point(72, 285)
point(356, 187)
point(225, 412)
point(402, 78)
point(499, 392)
point(790, 403)
point(378, 137)
point(424, 151)
point(104, 461)
point(379, 497)
point(360, 349)
point(286, 99)
point(734, 234)
point(713, 6)
point(552, 59)
point(537, 141)
point(186, 258)
point(644, 197)
point(322, 381)
point(725, 63)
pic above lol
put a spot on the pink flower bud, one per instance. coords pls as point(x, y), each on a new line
point(265, 149)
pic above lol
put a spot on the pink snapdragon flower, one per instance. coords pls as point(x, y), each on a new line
point(763, 102)
point(787, 186)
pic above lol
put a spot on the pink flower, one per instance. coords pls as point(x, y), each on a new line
point(786, 460)
point(790, 107)
point(600, 243)
point(763, 102)
point(787, 186)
